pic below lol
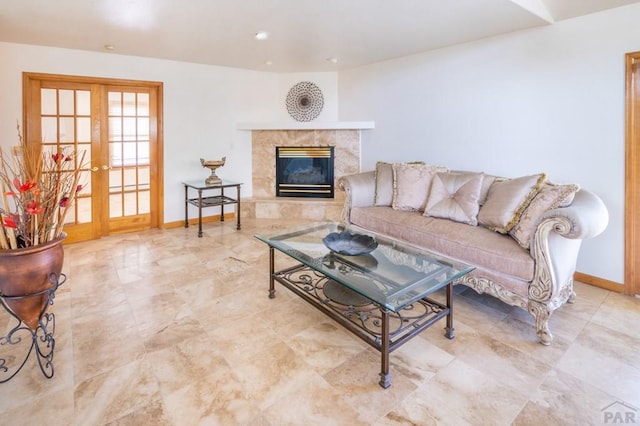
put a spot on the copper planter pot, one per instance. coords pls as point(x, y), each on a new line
point(27, 271)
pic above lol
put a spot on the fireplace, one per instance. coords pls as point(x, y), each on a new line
point(304, 171)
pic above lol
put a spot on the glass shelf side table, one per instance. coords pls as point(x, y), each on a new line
point(219, 200)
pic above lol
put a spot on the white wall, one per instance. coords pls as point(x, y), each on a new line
point(202, 105)
point(549, 99)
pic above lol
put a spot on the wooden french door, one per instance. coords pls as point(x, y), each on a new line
point(115, 124)
point(632, 176)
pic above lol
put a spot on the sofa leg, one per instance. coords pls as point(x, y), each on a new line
point(541, 314)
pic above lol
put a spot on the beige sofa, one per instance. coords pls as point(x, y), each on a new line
point(529, 262)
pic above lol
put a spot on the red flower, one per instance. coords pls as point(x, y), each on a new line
point(32, 208)
point(79, 188)
point(68, 158)
point(8, 222)
point(23, 187)
point(57, 157)
point(64, 201)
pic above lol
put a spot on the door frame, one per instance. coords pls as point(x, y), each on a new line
point(632, 174)
point(157, 216)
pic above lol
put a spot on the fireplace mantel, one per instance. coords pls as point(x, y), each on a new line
point(307, 125)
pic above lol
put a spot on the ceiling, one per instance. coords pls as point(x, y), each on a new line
point(304, 35)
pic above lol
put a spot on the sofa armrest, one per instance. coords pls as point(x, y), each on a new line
point(586, 217)
point(556, 244)
point(360, 190)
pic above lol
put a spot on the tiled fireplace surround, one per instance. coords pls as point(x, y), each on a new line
point(265, 205)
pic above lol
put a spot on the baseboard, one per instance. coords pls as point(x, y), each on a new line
point(194, 221)
point(599, 282)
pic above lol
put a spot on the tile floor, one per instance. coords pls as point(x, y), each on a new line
point(164, 328)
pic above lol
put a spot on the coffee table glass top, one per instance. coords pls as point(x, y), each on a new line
point(393, 275)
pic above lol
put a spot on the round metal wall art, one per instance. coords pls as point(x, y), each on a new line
point(304, 101)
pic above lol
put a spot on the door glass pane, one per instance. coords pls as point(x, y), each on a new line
point(83, 102)
point(49, 127)
point(84, 149)
point(143, 128)
point(83, 131)
point(115, 179)
point(85, 181)
point(143, 153)
point(67, 129)
point(129, 129)
point(115, 103)
point(144, 202)
point(129, 104)
point(66, 102)
point(129, 154)
point(115, 205)
point(143, 177)
point(130, 203)
point(83, 208)
point(48, 102)
point(130, 178)
point(143, 104)
point(115, 154)
point(115, 129)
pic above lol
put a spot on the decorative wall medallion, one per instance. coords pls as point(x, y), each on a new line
point(304, 101)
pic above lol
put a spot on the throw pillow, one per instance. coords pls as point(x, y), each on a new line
point(486, 185)
point(411, 185)
point(384, 183)
point(550, 197)
point(506, 201)
point(455, 196)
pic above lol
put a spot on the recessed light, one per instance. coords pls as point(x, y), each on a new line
point(268, 63)
point(109, 47)
point(332, 60)
point(262, 35)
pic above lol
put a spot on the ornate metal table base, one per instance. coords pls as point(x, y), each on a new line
point(381, 328)
point(42, 339)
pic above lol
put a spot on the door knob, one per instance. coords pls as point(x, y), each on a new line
point(94, 169)
point(105, 167)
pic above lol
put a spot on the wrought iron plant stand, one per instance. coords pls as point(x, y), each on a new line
point(42, 339)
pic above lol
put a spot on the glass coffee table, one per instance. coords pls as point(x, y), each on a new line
point(382, 296)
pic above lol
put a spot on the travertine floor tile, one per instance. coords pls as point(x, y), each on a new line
point(290, 318)
point(325, 345)
point(105, 341)
point(620, 313)
point(457, 395)
point(564, 399)
point(603, 371)
point(116, 393)
point(419, 360)
point(561, 323)
point(152, 414)
point(521, 336)
point(217, 398)
point(273, 374)
point(317, 403)
point(357, 380)
point(50, 408)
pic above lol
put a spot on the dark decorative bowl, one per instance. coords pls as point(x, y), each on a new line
point(349, 244)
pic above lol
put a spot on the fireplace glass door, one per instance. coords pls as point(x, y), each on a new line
point(304, 172)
